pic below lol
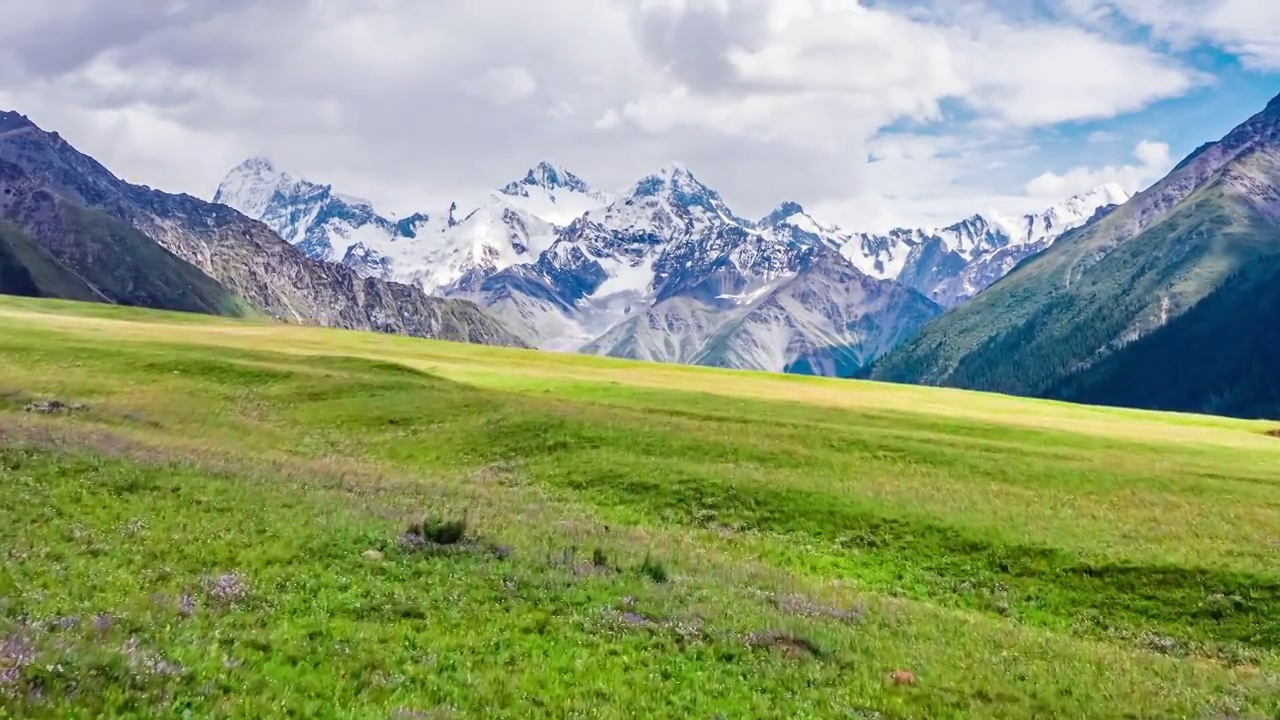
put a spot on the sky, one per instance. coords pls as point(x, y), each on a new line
point(871, 114)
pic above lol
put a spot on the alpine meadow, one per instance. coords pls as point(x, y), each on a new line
point(640, 359)
point(209, 517)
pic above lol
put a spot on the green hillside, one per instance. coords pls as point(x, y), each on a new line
point(28, 269)
point(253, 520)
point(129, 268)
point(1075, 309)
point(1221, 356)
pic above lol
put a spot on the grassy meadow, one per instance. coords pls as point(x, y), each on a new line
point(241, 519)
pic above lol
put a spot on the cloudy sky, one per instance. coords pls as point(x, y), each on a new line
point(869, 113)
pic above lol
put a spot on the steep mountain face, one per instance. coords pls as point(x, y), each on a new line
point(53, 248)
point(828, 318)
point(239, 256)
point(1110, 312)
point(951, 265)
point(669, 273)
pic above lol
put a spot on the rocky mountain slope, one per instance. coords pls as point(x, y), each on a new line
point(663, 270)
point(54, 248)
point(1163, 302)
point(140, 232)
point(668, 272)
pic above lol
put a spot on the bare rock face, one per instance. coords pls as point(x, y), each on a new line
point(242, 255)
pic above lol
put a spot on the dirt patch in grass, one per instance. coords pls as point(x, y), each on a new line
point(1274, 433)
point(38, 434)
point(53, 407)
point(803, 606)
point(21, 433)
point(792, 646)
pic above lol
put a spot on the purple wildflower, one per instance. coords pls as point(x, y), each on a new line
point(16, 652)
point(149, 663)
point(186, 604)
point(412, 541)
point(632, 618)
point(227, 589)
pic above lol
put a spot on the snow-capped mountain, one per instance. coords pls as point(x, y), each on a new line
point(952, 264)
point(554, 194)
point(663, 270)
point(668, 272)
point(433, 250)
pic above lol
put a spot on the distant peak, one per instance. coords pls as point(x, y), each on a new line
point(1105, 191)
point(10, 120)
point(548, 175)
point(673, 175)
point(674, 169)
point(549, 167)
point(1101, 196)
point(249, 185)
point(789, 207)
point(257, 163)
point(786, 209)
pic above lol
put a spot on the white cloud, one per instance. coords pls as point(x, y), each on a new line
point(505, 85)
point(1249, 29)
point(1154, 161)
point(1042, 75)
point(414, 102)
point(871, 66)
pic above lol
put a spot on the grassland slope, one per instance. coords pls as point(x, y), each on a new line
point(232, 525)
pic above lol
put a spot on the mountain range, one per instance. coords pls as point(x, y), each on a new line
point(70, 228)
point(662, 270)
point(1168, 301)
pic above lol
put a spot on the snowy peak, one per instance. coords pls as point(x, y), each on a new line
point(1038, 228)
point(781, 214)
point(552, 193)
point(250, 186)
point(973, 236)
point(675, 185)
point(672, 178)
point(258, 164)
point(953, 263)
point(550, 177)
point(1086, 204)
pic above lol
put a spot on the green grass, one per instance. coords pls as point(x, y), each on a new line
point(253, 520)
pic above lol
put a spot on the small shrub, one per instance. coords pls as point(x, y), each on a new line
point(436, 532)
point(654, 570)
point(599, 558)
